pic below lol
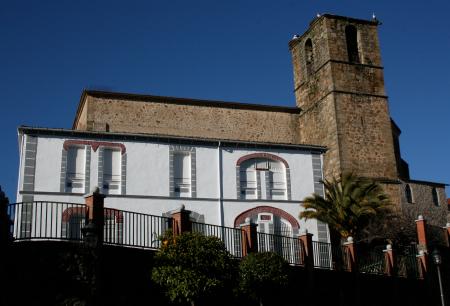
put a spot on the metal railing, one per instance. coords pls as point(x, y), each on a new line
point(371, 261)
point(322, 255)
point(45, 220)
point(231, 237)
point(133, 229)
point(407, 264)
point(287, 247)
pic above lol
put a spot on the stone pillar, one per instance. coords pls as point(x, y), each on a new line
point(422, 262)
point(95, 216)
point(307, 249)
point(350, 255)
point(180, 221)
point(421, 227)
point(447, 234)
point(389, 258)
point(249, 237)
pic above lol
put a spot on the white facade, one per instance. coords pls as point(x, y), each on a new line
point(155, 175)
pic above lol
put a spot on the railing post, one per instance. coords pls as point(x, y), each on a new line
point(447, 234)
point(389, 258)
point(180, 221)
point(421, 227)
point(307, 249)
point(249, 237)
point(422, 262)
point(350, 259)
point(96, 217)
point(4, 220)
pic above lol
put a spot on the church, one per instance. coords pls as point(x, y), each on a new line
point(228, 161)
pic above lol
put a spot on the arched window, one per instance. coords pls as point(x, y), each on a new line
point(275, 227)
point(408, 194)
point(351, 36)
point(309, 57)
point(435, 196)
point(263, 178)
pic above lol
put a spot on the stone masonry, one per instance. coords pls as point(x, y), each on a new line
point(341, 104)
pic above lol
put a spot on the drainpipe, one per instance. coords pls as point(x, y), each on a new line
point(220, 183)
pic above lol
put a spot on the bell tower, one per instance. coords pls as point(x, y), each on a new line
point(339, 86)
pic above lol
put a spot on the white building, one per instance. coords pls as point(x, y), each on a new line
point(221, 182)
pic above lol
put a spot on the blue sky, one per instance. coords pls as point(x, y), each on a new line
point(222, 50)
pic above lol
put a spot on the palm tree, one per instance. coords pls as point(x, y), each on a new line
point(350, 204)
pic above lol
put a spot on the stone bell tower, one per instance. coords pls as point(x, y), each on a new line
point(339, 86)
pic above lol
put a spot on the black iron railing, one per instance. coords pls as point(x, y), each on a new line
point(287, 247)
point(46, 220)
point(323, 257)
point(64, 221)
point(407, 263)
point(133, 229)
point(231, 237)
point(371, 261)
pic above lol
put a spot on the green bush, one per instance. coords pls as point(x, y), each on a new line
point(262, 274)
point(192, 267)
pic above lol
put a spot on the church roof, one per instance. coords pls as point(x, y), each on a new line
point(167, 139)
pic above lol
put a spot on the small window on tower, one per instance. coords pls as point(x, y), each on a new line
point(435, 197)
point(309, 57)
point(351, 36)
point(408, 194)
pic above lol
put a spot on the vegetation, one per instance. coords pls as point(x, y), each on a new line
point(350, 205)
point(191, 267)
point(262, 274)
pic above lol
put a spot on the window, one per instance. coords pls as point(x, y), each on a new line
point(182, 174)
point(277, 181)
point(263, 178)
point(111, 171)
point(75, 174)
point(248, 180)
point(272, 233)
point(408, 194)
point(435, 197)
point(309, 57)
point(351, 36)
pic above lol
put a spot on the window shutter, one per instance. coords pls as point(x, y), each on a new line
point(112, 170)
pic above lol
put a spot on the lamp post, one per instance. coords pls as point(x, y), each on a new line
point(437, 259)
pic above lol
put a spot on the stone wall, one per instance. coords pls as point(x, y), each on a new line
point(365, 137)
point(159, 117)
point(422, 203)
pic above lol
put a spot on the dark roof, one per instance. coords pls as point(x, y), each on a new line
point(427, 183)
point(181, 101)
point(167, 139)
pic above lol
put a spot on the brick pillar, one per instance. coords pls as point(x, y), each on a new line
point(447, 234)
point(422, 262)
point(389, 258)
point(95, 214)
point(180, 221)
point(421, 227)
point(307, 249)
point(350, 258)
point(249, 237)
